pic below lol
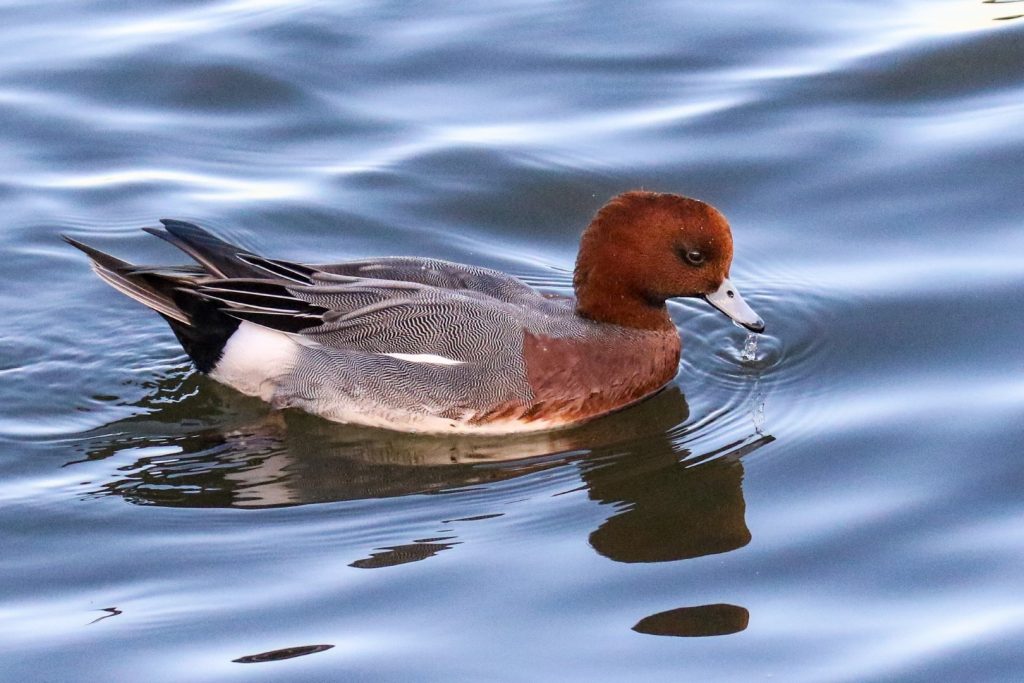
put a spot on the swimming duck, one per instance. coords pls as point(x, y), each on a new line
point(425, 345)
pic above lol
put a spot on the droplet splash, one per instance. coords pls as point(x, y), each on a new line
point(749, 355)
point(757, 414)
point(749, 352)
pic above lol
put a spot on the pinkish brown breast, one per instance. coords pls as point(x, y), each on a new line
point(575, 379)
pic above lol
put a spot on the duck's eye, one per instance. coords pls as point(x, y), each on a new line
point(694, 257)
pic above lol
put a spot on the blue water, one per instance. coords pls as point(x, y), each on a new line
point(846, 506)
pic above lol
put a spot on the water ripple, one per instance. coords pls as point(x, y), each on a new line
point(754, 518)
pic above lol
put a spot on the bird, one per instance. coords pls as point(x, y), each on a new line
point(426, 345)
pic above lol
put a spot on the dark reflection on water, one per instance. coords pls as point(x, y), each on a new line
point(283, 653)
point(701, 620)
point(240, 454)
point(668, 509)
point(1004, 2)
point(403, 554)
point(110, 612)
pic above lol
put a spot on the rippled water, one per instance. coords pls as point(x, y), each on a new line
point(844, 506)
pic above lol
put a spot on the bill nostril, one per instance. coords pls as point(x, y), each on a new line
point(731, 294)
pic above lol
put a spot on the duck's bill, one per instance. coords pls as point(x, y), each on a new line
point(728, 300)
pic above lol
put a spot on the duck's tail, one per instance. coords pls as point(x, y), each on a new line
point(198, 322)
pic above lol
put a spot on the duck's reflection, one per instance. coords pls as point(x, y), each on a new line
point(701, 620)
point(670, 506)
point(402, 554)
point(240, 454)
point(667, 503)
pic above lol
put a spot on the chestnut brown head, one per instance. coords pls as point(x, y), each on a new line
point(643, 248)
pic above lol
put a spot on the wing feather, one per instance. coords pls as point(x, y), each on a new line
point(436, 273)
point(411, 307)
point(376, 316)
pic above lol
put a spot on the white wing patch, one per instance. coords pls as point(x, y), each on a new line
point(426, 358)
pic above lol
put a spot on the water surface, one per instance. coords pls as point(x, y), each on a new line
point(845, 506)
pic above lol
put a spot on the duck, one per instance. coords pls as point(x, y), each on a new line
point(426, 345)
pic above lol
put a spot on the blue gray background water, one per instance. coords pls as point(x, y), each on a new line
point(845, 507)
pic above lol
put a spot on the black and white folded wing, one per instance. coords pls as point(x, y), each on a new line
point(404, 350)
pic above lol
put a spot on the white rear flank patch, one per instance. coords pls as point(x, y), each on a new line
point(427, 358)
point(254, 358)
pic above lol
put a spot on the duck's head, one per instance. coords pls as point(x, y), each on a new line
point(645, 247)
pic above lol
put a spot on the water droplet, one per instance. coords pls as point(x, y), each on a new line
point(749, 352)
point(757, 414)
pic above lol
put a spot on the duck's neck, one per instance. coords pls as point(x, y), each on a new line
point(609, 301)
